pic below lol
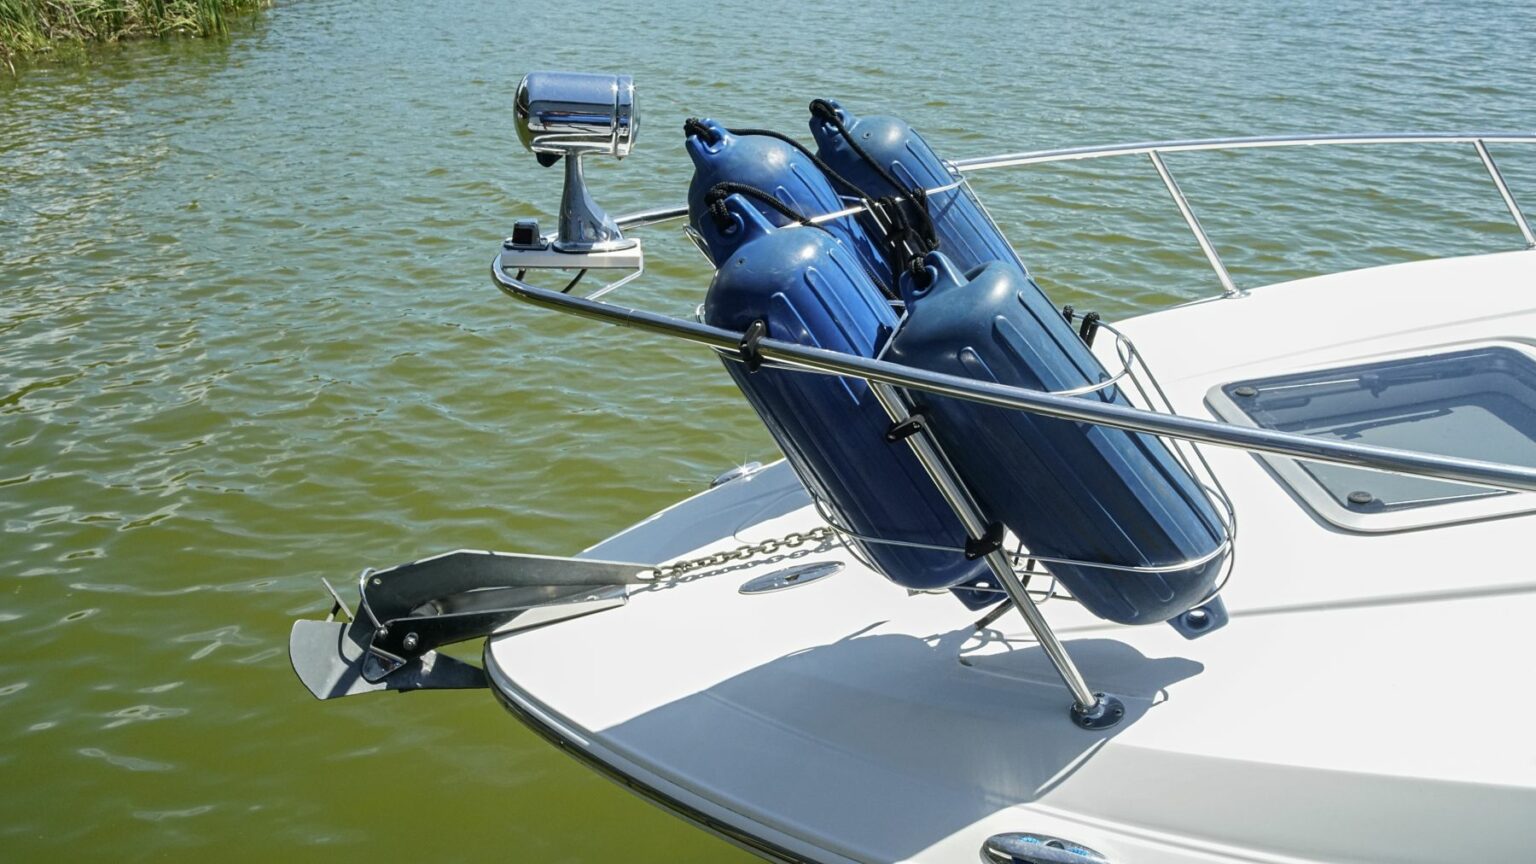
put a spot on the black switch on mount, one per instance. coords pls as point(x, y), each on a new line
point(525, 235)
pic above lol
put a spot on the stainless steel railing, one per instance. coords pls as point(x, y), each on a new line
point(1476, 472)
point(1155, 150)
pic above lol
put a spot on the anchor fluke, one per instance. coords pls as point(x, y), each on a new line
point(329, 657)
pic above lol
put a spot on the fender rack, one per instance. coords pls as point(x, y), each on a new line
point(888, 380)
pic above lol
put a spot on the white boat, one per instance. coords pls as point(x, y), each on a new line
point(1367, 700)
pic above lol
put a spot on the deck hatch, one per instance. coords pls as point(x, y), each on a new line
point(1477, 403)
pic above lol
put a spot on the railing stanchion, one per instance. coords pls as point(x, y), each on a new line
point(1509, 197)
point(1090, 710)
point(1228, 288)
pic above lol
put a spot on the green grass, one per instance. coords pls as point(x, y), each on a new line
point(44, 27)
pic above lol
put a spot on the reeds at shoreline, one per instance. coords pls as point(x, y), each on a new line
point(43, 27)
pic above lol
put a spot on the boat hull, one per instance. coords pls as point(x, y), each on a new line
point(1367, 702)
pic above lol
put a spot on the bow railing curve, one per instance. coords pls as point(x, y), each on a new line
point(1068, 407)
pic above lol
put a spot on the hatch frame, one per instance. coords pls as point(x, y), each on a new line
point(1305, 487)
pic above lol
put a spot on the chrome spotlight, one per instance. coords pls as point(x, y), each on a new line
point(571, 114)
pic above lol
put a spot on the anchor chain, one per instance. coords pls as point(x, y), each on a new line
point(792, 540)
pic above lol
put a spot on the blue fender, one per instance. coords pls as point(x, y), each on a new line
point(780, 170)
point(1069, 490)
point(811, 290)
point(966, 234)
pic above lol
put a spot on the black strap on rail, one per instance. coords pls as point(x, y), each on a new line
point(990, 541)
point(750, 348)
point(906, 241)
point(905, 429)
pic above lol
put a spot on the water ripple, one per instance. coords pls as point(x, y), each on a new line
point(246, 340)
point(129, 763)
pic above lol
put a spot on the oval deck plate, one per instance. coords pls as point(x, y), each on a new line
point(791, 577)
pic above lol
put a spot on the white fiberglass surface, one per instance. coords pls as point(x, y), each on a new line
point(821, 712)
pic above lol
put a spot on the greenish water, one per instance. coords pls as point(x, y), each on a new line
point(247, 340)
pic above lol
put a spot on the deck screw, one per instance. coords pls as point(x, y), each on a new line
point(1245, 391)
point(1361, 497)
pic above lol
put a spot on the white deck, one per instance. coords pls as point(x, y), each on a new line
point(1369, 700)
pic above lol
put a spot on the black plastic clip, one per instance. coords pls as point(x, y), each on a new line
point(751, 353)
point(1090, 328)
point(1067, 312)
point(986, 544)
point(906, 428)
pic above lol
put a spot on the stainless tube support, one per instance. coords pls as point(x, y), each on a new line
point(655, 216)
point(1155, 149)
point(1089, 709)
point(1193, 222)
point(1509, 197)
point(1191, 145)
point(977, 164)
